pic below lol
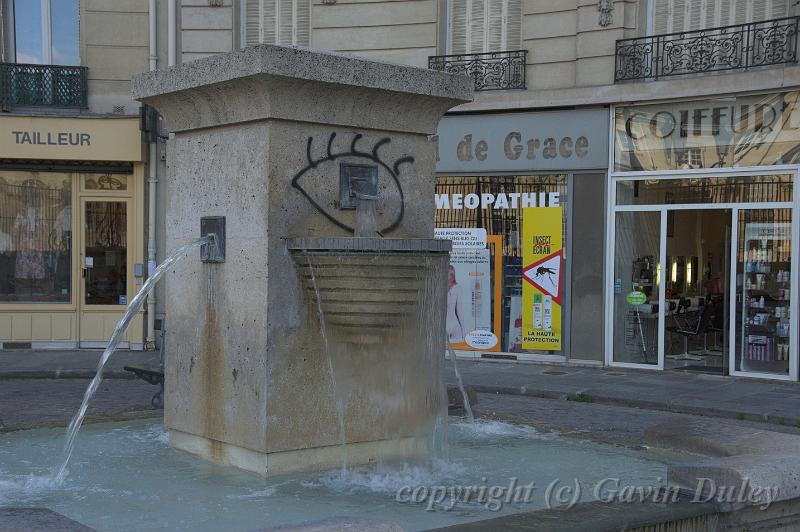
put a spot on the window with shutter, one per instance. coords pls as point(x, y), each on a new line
point(478, 26)
point(277, 22)
point(672, 16)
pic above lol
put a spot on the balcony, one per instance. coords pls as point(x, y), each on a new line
point(739, 47)
point(490, 71)
point(24, 85)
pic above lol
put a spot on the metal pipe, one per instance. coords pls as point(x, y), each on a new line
point(172, 23)
point(152, 21)
point(152, 183)
point(152, 162)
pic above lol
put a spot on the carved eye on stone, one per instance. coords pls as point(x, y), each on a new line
point(322, 181)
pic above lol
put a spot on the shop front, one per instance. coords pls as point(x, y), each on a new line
point(71, 229)
point(700, 268)
point(507, 190)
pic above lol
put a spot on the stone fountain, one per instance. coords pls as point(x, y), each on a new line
point(320, 337)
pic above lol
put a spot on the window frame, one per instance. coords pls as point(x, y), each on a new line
point(10, 37)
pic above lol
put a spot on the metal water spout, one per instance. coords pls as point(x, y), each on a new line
point(364, 189)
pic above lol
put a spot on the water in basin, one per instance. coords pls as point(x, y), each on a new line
point(124, 476)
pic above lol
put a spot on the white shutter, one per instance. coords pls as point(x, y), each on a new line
point(476, 35)
point(779, 9)
point(284, 22)
point(302, 22)
point(252, 22)
point(478, 26)
point(457, 29)
point(694, 16)
point(513, 23)
point(672, 16)
point(662, 18)
point(495, 27)
point(268, 17)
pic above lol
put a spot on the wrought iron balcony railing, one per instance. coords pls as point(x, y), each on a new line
point(489, 71)
point(739, 47)
point(43, 85)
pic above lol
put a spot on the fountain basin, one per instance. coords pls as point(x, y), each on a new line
point(125, 477)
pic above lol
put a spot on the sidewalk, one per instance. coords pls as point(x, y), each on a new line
point(28, 364)
point(683, 392)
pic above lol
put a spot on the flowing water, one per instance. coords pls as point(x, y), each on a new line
point(366, 219)
point(113, 342)
point(329, 359)
point(127, 478)
point(467, 406)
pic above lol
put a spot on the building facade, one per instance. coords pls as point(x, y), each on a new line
point(627, 168)
point(72, 171)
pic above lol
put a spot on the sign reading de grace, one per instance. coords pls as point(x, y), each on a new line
point(550, 140)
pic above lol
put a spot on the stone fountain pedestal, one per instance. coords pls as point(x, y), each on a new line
point(261, 137)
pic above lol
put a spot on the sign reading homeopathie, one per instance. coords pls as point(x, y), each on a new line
point(549, 140)
point(76, 139)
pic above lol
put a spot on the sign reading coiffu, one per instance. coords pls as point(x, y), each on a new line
point(550, 140)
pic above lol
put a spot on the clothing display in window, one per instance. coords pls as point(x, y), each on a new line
point(30, 258)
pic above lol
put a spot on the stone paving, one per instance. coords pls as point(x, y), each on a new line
point(25, 364)
point(29, 403)
point(689, 393)
point(612, 424)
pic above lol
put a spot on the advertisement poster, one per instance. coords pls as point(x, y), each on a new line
point(473, 288)
point(515, 323)
point(541, 272)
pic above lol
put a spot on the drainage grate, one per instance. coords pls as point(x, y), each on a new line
point(498, 356)
point(554, 372)
point(615, 373)
point(16, 345)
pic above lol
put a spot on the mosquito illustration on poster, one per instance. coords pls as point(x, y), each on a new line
point(543, 272)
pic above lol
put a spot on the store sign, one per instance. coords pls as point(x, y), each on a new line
point(542, 258)
point(502, 200)
point(726, 132)
point(554, 140)
point(73, 139)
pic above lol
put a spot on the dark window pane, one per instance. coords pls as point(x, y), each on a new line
point(35, 237)
point(106, 253)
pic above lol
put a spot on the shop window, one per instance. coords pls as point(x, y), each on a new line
point(283, 22)
point(739, 189)
point(502, 217)
point(105, 182)
point(482, 26)
point(45, 32)
point(35, 237)
point(763, 288)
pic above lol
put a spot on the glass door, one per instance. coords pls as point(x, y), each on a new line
point(763, 335)
point(638, 289)
point(697, 289)
point(105, 267)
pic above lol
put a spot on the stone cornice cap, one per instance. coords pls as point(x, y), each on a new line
point(267, 81)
